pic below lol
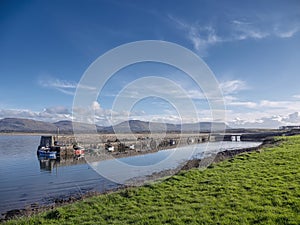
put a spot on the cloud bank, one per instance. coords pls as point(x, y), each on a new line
point(239, 113)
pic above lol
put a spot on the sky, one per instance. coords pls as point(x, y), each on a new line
point(252, 48)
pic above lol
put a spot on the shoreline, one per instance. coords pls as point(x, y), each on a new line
point(135, 182)
point(200, 163)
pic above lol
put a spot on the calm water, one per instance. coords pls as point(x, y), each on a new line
point(26, 180)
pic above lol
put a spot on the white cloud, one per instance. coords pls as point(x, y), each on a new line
point(200, 36)
point(265, 122)
point(288, 106)
point(195, 94)
point(23, 113)
point(286, 33)
point(259, 117)
point(238, 22)
point(264, 113)
point(243, 30)
point(51, 114)
point(64, 86)
point(96, 105)
point(292, 118)
point(233, 86)
point(57, 110)
point(104, 117)
point(204, 36)
point(180, 92)
point(273, 104)
point(247, 104)
point(252, 120)
point(296, 96)
point(260, 113)
point(57, 83)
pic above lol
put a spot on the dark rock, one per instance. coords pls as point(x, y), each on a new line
point(13, 213)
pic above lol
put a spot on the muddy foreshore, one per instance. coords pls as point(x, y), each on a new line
point(193, 163)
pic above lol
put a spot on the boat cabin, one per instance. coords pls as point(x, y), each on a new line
point(46, 141)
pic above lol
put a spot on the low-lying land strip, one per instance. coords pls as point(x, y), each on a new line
point(101, 146)
point(260, 187)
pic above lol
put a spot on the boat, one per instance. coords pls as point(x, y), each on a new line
point(45, 149)
point(109, 148)
point(46, 153)
point(78, 150)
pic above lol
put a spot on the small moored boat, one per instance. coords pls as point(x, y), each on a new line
point(109, 148)
point(46, 153)
point(46, 149)
point(78, 150)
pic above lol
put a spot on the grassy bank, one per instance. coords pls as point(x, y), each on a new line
point(252, 188)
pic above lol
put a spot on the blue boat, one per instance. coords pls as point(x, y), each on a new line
point(46, 149)
point(46, 153)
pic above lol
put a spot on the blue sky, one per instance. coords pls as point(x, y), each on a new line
point(253, 48)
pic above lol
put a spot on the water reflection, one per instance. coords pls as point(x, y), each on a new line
point(47, 164)
point(50, 164)
point(27, 179)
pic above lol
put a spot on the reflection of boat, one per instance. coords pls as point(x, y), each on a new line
point(48, 164)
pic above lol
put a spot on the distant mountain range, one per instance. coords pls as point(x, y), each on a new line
point(137, 126)
point(32, 126)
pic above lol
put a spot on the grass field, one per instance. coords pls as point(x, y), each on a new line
point(253, 188)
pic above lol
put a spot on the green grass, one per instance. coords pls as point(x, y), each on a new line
point(253, 188)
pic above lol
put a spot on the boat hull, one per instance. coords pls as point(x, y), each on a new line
point(46, 154)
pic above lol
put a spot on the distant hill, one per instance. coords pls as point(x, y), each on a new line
point(204, 126)
point(136, 126)
point(66, 126)
point(25, 125)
